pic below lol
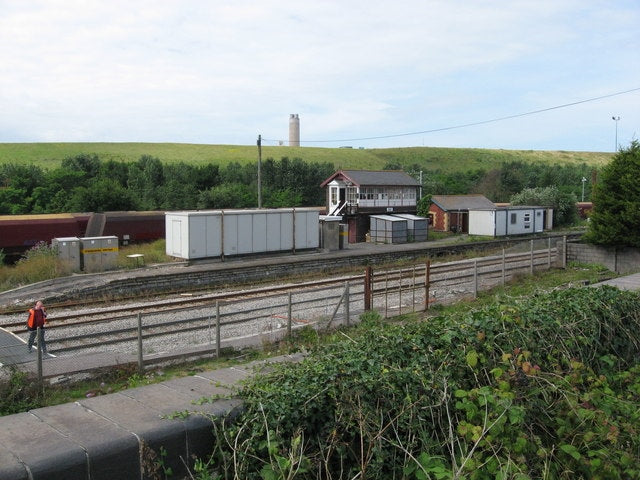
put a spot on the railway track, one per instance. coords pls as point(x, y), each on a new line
point(162, 324)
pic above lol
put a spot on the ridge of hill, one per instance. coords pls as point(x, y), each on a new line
point(49, 155)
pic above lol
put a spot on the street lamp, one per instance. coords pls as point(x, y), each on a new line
point(615, 119)
point(583, 180)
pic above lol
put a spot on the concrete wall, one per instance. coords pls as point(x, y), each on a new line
point(617, 259)
point(120, 435)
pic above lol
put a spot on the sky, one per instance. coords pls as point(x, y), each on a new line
point(503, 74)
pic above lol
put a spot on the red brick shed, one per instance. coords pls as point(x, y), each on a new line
point(451, 212)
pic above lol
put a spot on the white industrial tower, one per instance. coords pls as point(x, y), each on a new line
point(294, 130)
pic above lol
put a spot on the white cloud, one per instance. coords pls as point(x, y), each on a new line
point(223, 72)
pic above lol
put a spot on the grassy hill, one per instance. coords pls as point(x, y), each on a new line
point(49, 155)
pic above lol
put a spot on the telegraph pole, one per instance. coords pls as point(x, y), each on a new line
point(259, 171)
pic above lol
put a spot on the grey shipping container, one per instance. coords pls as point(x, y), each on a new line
point(387, 229)
point(68, 249)
point(417, 227)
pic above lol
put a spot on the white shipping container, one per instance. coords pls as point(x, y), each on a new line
point(214, 233)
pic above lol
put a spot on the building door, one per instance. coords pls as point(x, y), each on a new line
point(353, 230)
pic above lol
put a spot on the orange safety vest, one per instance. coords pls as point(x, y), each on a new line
point(33, 321)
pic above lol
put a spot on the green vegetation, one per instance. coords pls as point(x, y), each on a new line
point(86, 183)
point(615, 219)
point(38, 264)
point(21, 394)
point(41, 263)
point(564, 204)
point(50, 155)
point(540, 387)
point(92, 182)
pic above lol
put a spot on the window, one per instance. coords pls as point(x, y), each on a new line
point(334, 195)
point(514, 218)
point(352, 195)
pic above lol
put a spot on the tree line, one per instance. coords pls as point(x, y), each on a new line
point(87, 183)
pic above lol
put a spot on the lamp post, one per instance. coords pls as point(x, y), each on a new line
point(615, 119)
point(583, 180)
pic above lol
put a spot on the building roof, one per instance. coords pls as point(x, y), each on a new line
point(373, 177)
point(462, 202)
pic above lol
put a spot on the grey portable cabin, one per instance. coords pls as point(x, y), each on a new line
point(387, 229)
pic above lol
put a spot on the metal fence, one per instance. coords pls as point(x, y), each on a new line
point(209, 323)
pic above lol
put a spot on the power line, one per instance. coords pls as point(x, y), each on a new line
point(473, 124)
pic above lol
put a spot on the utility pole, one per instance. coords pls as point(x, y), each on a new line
point(616, 119)
point(259, 171)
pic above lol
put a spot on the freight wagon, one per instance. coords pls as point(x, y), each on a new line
point(19, 233)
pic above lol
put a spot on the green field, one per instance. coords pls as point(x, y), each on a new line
point(49, 155)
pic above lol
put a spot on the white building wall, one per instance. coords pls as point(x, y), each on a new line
point(482, 222)
point(501, 223)
point(212, 233)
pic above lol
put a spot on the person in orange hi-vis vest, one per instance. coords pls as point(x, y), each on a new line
point(37, 318)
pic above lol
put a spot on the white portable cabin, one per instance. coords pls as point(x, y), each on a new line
point(218, 233)
point(417, 227)
point(512, 220)
point(387, 229)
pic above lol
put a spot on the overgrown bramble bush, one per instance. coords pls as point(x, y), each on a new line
point(546, 387)
point(38, 263)
point(19, 392)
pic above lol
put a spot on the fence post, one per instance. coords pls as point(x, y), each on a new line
point(413, 290)
point(347, 312)
point(140, 358)
point(400, 292)
point(217, 328)
point(427, 279)
point(564, 251)
point(504, 267)
point(368, 280)
point(549, 253)
point(289, 316)
point(386, 294)
point(475, 278)
point(39, 352)
point(531, 268)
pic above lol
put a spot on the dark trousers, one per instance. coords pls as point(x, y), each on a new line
point(41, 342)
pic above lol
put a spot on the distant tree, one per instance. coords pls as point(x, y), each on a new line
point(118, 171)
point(180, 187)
point(87, 164)
point(25, 177)
point(286, 198)
point(146, 176)
point(228, 195)
point(615, 219)
point(12, 201)
point(207, 176)
point(564, 204)
point(423, 206)
point(103, 195)
point(54, 192)
point(392, 166)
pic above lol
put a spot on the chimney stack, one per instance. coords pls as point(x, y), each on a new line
point(294, 130)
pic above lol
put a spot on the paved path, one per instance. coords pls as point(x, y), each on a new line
point(629, 282)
